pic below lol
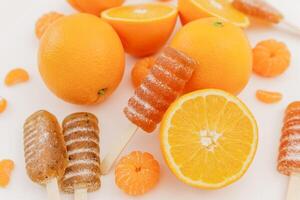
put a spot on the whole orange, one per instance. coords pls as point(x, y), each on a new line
point(222, 51)
point(94, 6)
point(81, 59)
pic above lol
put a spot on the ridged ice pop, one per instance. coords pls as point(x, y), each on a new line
point(263, 10)
point(81, 133)
point(45, 151)
point(166, 80)
point(289, 150)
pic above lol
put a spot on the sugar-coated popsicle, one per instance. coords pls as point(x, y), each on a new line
point(289, 150)
point(166, 80)
point(263, 10)
point(81, 133)
point(45, 151)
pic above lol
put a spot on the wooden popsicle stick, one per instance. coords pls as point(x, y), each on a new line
point(109, 160)
point(294, 187)
point(52, 190)
point(291, 26)
point(80, 194)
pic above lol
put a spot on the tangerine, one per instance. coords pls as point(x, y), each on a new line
point(137, 173)
point(270, 58)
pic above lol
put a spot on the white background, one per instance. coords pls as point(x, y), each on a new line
point(18, 48)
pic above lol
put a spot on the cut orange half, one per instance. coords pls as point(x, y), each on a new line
point(194, 9)
point(208, 138)
point(143, 28)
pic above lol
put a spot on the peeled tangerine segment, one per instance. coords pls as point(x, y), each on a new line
point(16, 76)
point(164, 83)
point(209, 138)
point(259, 9)
point(289, 149)
point(81, 134)
point(6, 167)
point(3, 104)
point(268, 96)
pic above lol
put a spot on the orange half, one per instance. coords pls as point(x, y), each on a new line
point(194, 9)
point(208, 138)
point(143, 28)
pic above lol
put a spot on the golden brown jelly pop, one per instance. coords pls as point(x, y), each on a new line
point(45, 151)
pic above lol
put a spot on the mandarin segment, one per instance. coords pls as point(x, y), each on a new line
point(268, 96)
point(258, 8)
point(3, 104)
point(271, 58)
point(45, 21)
point(137, 173)
point(15, 76)
point(215, 154)
point(6, 168)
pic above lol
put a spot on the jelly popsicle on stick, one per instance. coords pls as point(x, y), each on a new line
point(166, 80)
point(263, 10)
point(45, 151)
point(81, 133)
point(289, 150)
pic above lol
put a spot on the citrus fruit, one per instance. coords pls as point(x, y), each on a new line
point(268, 96)
point(140, 70)
point(270, 58)
point(143, 28)
point(137, 173)
point(94, 6)
point(45, 21)
point(6, 167)
point(15, 76)
point(190, 10)
point(81, 59)
point(3, 104)
point(208, 138)
point(222, 51)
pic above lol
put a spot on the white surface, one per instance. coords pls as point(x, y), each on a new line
point(18, 47)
